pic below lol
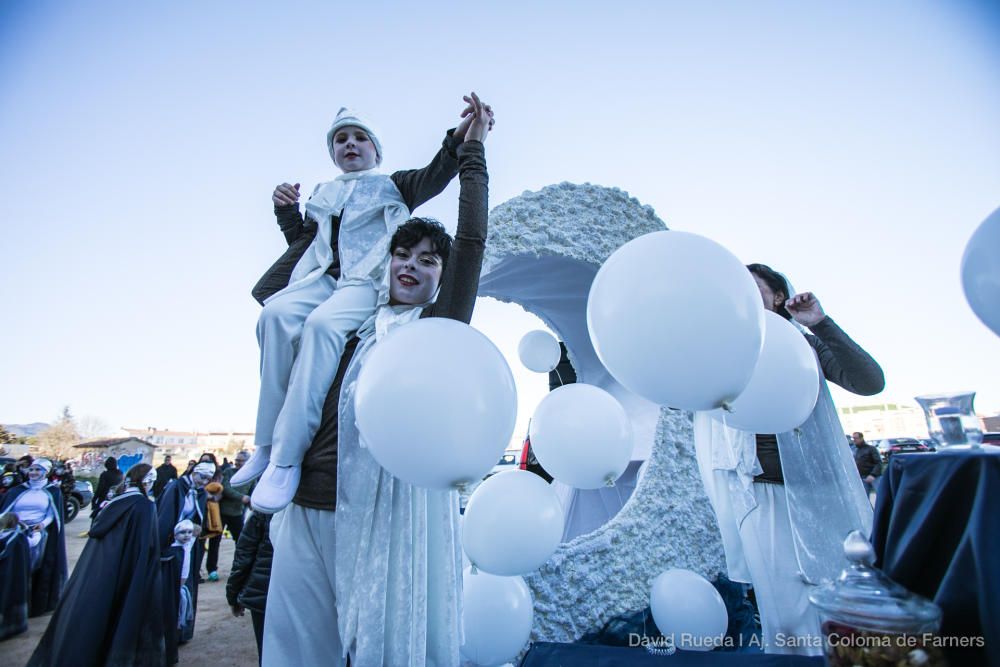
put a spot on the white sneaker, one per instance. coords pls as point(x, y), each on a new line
point(254, 466)
point(275, 489)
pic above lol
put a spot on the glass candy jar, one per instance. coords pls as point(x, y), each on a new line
point(868, 620)
point(951, 420)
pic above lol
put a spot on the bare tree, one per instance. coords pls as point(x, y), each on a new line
point(91, 427)
point(58, 439)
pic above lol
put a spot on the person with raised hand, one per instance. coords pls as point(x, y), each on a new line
point(329, 282)
point(343, 580)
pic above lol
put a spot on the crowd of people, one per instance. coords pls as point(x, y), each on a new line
point(133, 591)
point(339, 559)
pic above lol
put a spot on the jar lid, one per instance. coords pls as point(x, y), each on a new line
point(864, 597)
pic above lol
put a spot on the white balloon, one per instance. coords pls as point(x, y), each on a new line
point(785, 385)
point(498, 545)
point(436, 403)
point(539, 351)
point(581, 436)
point(497, 614)
point(688, 609)
point(677, 319)
point(981, 272)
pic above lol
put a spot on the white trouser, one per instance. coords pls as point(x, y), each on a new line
point(302, 336)
point(789, 622)
point(300, 624)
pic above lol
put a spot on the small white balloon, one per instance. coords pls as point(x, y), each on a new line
point(688, 610)
point(582, 436)
point(497, 545)
point(497, 614)
point(981, 272)
point(436, 403)
point(539, 351)
point(785, 385)
point(677, 319)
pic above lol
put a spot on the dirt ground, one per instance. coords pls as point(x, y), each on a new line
point(220, 639)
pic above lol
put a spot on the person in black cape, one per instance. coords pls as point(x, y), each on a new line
point(184, 498)
point(15, 567)
point(109, 480)
point(49, 574)
point(113, 598)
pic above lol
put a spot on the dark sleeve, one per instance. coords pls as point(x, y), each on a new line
point(843, 361)
point(103, 486)
point(289, 221)
point(167, 511)
point(876, 470)
point(276, 278)
point(243, 560)
point(420, 185)
point(460, 281)
point(228, 491)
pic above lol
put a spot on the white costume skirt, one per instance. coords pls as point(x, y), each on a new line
point(789, 621)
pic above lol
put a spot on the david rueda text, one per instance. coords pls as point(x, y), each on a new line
point(690, 641)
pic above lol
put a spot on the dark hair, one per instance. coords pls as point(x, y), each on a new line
point(411, 232)
point(111, 463)
point(134, 478)
point(211, 457)
point(776, 282)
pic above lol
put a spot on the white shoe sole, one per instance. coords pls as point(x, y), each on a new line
point(253, 468)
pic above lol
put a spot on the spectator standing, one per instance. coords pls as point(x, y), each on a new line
point(22, 468)
point(109, 479)
point(164, 474)
point(235, 499)
point(251, 573)
point(212, 529)
point(868, 460)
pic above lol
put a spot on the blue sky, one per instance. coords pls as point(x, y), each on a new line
point(853, 145)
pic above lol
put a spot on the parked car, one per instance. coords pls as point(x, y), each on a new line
point(889, 446)
point(507, 462)
point(991, 439)
point(80, 496)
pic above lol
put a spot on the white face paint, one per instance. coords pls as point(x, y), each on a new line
point(184, 535)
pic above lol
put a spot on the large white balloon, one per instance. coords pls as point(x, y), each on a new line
point(436, 403)
point(677, 319)
point(539, 351)
point(499, 545)
point(785, 385)
point(497, 615)
point(981, 272)
point(581, 436)
point(688, 609)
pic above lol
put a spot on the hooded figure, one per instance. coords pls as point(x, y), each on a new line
point(40, 509)
point(114, 596)
point(109, 479)
point(15, 568)
point(183, 498)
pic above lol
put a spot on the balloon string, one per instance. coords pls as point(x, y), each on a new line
point(556, 371)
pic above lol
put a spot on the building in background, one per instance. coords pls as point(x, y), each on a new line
point(128, 451)
point(895, 420)
point(187, 445)
point(884, 420)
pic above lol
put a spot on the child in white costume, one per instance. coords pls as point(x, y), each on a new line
point(303, 328)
